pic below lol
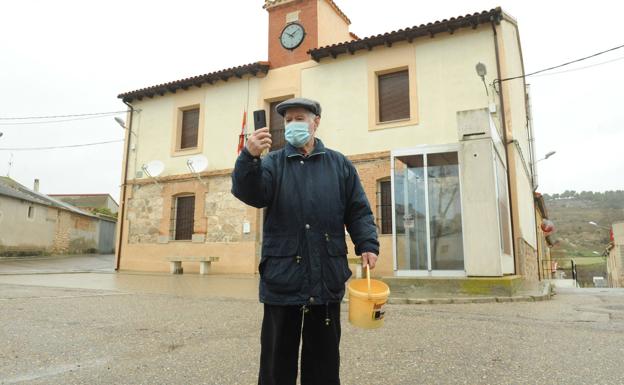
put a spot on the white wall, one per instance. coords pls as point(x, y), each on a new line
point(19, 231)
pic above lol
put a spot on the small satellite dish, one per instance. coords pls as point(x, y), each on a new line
point(154, 168)
point(197, 163)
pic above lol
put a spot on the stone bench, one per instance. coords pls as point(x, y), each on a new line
point(175, 264)
point(357, 261)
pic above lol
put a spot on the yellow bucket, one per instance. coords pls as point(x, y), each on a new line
point(366, 300)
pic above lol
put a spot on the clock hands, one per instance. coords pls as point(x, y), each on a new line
point(290, 40)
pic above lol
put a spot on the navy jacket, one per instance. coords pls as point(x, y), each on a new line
point(308, 201)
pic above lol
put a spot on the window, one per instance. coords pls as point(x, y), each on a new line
point(182, 218)
point(276, 128)
point(31, 212)
point(384, 207)
point(393, 94)
point(189, 129)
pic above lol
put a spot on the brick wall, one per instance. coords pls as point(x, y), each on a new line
point(308, 18)
point(371, 170)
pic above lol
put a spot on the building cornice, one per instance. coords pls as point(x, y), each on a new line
point(259, 69)
point(409, 34)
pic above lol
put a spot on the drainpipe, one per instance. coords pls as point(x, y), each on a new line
point(122, 211)
point(533, 168)
point(506, 143)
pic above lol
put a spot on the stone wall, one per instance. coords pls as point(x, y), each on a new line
point(527, 260)
point(145, 212)
point(75, 234)
point(224, 212)
point(62, 233)
point(219, 216)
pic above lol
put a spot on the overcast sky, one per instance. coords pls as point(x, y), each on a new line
point(70, 57)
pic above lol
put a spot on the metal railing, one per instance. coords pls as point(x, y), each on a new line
point(561, 268)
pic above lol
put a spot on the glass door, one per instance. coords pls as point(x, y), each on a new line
point(428, 237)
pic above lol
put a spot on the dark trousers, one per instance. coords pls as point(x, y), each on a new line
point(282, 329)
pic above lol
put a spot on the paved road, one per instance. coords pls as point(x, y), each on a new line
point(139, 334)
point(58, 264)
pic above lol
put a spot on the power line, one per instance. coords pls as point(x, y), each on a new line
point(56, 121)
point(584, 67)
point(559, 66)
point(57, 147)
point(61, 116)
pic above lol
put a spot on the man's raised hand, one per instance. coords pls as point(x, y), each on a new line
point(259, 141)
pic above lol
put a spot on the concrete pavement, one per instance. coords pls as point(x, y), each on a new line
point(157, 329)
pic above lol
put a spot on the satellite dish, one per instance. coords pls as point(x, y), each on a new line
point(154, 168)
point(197, 163)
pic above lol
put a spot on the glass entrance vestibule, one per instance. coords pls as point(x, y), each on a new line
point(427, 211)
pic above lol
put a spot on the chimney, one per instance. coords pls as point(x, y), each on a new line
point(36, 188)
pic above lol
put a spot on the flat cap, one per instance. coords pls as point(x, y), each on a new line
point(309, 104)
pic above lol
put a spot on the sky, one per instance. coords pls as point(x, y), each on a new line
point(72, 57)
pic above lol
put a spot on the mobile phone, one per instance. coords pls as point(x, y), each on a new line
point(259, 119)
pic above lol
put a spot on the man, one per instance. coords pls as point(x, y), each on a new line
point(310, 194)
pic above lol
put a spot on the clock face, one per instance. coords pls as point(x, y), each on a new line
point(292, 36)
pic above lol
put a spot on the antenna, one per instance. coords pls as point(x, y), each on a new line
point(10, 165)
point(197, 164)
point(153, 169)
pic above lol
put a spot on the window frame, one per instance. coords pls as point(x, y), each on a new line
point(173, 218)
point(399, 57)
point(183, 112)
point(378, 77)
point(381, 219)
point(187, 104)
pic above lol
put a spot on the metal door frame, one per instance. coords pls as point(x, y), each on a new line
point(425, 150)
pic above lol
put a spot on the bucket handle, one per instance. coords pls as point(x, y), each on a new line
point(368, 279)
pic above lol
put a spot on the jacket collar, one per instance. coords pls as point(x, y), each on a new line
point(292, 151)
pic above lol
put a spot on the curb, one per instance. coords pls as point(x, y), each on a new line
point(545, 295)
point(447, 301)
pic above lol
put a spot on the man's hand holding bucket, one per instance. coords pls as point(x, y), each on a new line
point(369, 259)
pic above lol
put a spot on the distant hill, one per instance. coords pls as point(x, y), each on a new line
point(572, 211)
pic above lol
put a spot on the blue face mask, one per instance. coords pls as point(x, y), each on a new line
point(297, 133)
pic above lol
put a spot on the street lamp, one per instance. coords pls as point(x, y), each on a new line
point(534, 168)
point(482, 71)
point(548, 155)
point(121, 122)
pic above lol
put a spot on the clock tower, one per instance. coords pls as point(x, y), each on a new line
point(297, 26)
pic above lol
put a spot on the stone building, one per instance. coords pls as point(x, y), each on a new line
point(442, 141)
point(33, 223)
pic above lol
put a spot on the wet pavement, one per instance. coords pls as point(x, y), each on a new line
point(102, 327)
point(57, 264)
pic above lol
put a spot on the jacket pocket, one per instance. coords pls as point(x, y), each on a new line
point(279, 246)
point(335, 265)
point(281, 269)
